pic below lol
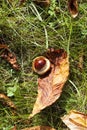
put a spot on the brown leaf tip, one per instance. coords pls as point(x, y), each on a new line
point(73, 7)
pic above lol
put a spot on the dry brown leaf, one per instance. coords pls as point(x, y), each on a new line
point(50, 85)
point(39, 128)
point(73, 7)
point(10, 57)
point(43, 3)
point(7, 101)
point(75, 120)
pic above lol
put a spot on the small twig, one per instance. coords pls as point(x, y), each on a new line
point(73, 8)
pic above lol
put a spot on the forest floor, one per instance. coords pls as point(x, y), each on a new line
point(29, 30)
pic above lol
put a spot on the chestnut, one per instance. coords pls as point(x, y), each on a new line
point(41, 65)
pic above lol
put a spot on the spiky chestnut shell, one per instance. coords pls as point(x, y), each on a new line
point(41, 65)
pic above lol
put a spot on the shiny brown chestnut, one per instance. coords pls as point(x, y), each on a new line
point(41, 65)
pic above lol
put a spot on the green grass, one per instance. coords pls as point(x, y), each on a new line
point(29, 30)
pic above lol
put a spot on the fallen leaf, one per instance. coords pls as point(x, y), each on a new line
point(7, 101)
point(39, 128)
point(50, 85)
point(43, 3)
point(9, 56)
point(73, 7)
point(75, 120)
